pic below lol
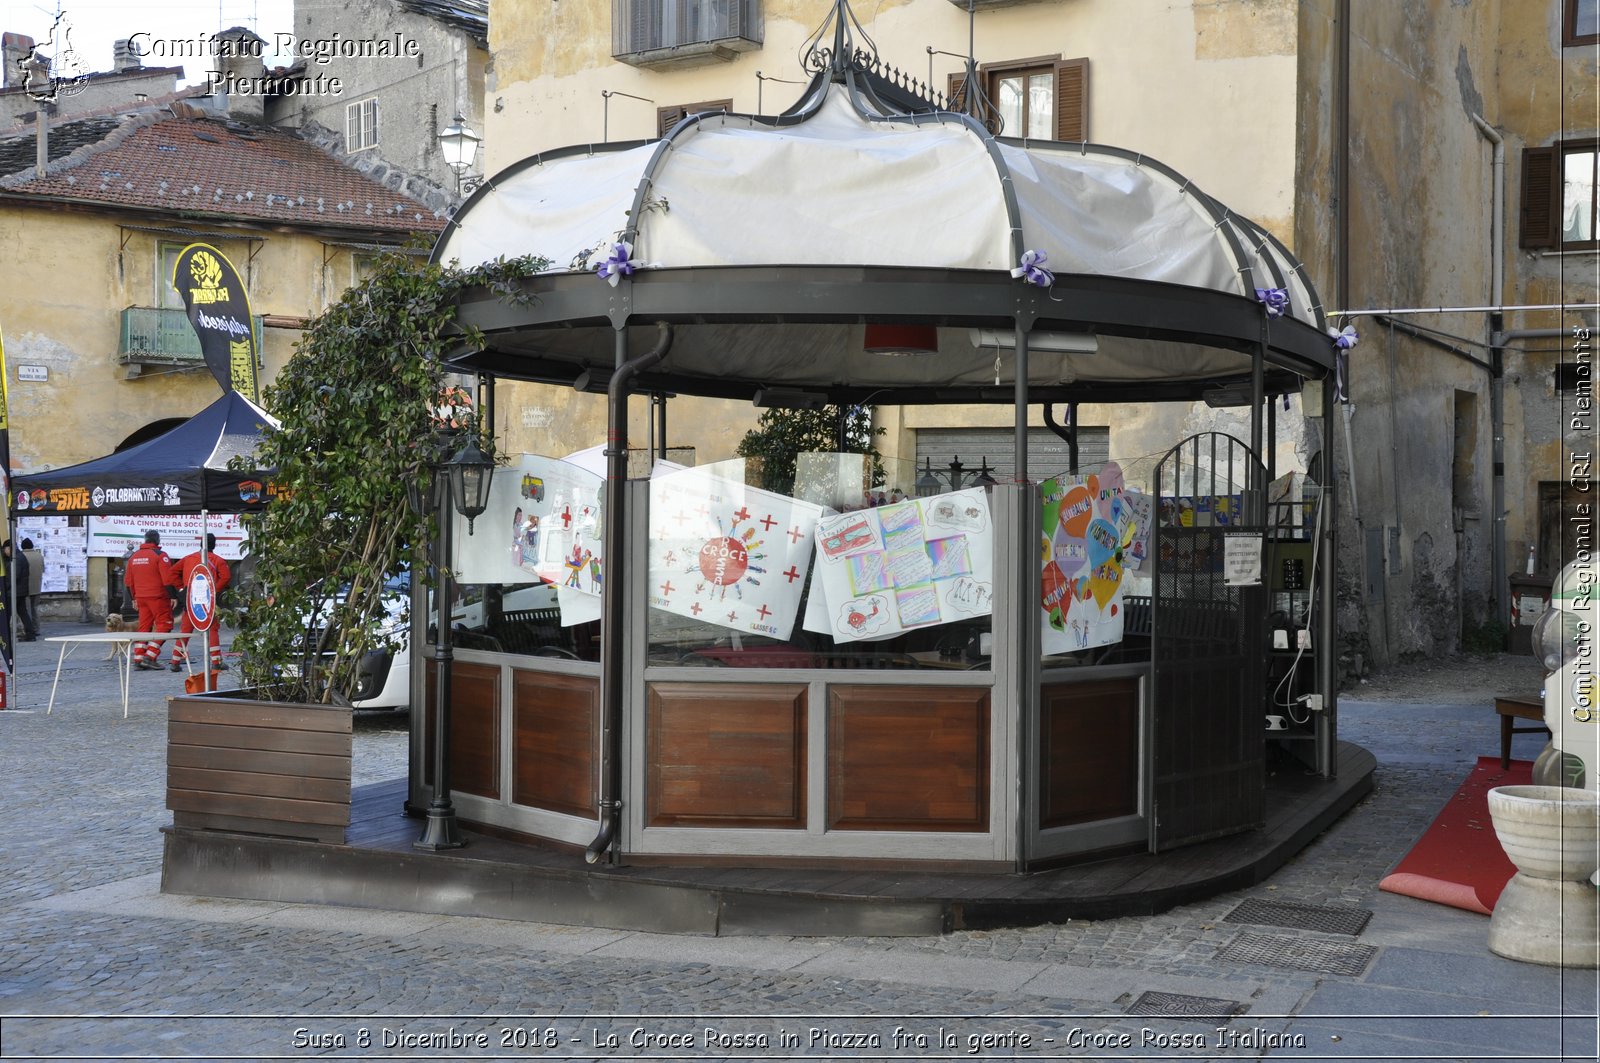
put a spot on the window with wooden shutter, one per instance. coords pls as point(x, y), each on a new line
point(1560, 207)
point(361, 124)
point(1043, 98)
point(957, 99)
point(1072, 99)
point(667, 117)
point(1537, 226)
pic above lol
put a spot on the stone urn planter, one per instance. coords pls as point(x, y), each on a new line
point(1549, 912)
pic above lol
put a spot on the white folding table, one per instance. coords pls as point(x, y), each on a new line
point(121, 642)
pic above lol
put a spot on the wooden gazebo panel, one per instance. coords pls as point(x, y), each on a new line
point(555, 731)
point(908, 758)
point(474, 727)
point(726, 755)
point(1088, 751)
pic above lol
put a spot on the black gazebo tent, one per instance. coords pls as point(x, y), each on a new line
point(185, 470)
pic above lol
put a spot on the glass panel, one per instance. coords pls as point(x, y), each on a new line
point(1586, 22)
point(1008, 100)
point(1041, 105)
point(1577, 197)
point(529, 574)
point(744, 577)
point(167, 296)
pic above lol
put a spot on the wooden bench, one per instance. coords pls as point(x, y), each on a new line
point(1517, 707)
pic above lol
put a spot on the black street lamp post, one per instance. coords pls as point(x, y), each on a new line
point(463, 482)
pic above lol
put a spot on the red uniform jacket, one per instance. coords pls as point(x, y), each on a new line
point(147, 572)
point(180, 571)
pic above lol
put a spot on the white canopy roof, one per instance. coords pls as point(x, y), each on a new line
point(843, 188)
point(770, 243)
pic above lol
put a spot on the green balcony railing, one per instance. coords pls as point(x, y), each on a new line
point(160, 335)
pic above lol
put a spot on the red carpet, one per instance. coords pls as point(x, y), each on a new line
point(1458, 860)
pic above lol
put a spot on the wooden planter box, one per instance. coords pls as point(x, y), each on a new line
point(258, 767)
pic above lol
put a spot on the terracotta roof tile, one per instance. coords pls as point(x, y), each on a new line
point(227, 169)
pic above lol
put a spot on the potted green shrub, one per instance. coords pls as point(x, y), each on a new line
point(366, 408)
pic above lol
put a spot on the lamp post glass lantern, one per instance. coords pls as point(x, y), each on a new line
point(458, 142)
point(463, 481)
point(957, 470)
point(470, 471)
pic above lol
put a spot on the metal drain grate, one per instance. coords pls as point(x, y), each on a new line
point(1299, 954)
point(1328, 920)
point(1180, 1006)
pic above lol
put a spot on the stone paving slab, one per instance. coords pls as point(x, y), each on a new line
point(88, 934)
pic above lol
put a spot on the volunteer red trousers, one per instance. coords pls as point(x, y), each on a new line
point(180, 647)
point(155, 614)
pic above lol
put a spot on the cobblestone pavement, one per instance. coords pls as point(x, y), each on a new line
point(97, 963)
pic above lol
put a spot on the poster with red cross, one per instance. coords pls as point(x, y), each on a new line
point(542, 522)
point(892, 568)
point(727, 553)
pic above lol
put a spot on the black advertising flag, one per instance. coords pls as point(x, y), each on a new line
point(218, 308)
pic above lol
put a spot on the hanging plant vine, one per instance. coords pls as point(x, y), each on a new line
point(366, 407)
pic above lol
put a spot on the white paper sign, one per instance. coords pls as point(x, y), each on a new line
point(1241, 560)
point(727, 553)
point(542, 522)
point(61, 549)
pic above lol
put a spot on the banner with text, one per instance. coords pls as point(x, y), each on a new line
point(219, 309)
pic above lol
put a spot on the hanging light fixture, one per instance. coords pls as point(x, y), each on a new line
point(470, 471)
point(984, 477)
point(927, 483)
point(901, 339)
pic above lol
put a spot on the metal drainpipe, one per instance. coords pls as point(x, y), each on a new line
point(1499, 585)
point(1341, 254)
point(613, 625)
point(1068, 432)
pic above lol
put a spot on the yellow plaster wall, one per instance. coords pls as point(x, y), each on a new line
point(63, 312)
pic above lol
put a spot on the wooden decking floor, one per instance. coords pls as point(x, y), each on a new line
point(513, 880)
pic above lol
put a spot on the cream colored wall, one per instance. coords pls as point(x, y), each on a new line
point(1544, 93)
point(1209, 91)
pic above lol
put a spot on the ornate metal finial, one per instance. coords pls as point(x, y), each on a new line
point(849, 46)
point(973, 100)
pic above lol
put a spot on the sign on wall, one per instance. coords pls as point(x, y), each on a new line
point(61, 547)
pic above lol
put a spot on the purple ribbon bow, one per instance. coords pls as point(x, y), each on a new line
point(1276, 300)
point(1345, 338)
point(1032, 269)
point(618, 264)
